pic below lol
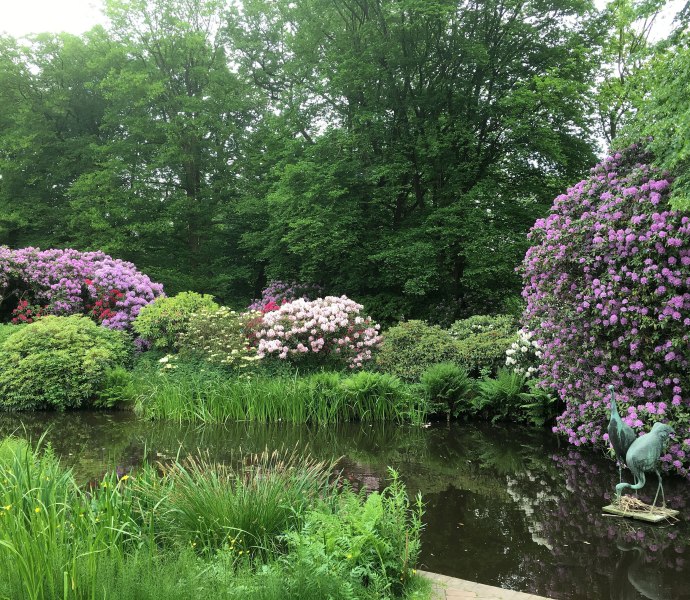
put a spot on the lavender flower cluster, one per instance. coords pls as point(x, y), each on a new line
point(329, 326)
point(69, 282)
point(280, 292)
point(607, 284)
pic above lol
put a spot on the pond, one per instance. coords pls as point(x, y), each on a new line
point(505, 506)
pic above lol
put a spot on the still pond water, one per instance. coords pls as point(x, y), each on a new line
point(504, 506)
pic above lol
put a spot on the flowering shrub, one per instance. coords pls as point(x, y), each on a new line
point(524, 354)
point(219, 336)
point(26, 313)
point(328, 327)
point(64, 282)
point(607, 284)
point(278, 293)
point(164, 320)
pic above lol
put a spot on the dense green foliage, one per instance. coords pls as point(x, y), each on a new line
point(187, 393)
point(220, 337)
point(7, 329)
point(272, 526)
point(163, 321)
point(663, 116)
point(58, 362)
point(483, 341)
point(450, 386)
point(411, 347)
point(218, 148)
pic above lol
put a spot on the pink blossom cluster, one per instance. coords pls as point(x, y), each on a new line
point(326, 327)
point(280, 292)
point(607, 284)
point(68, 281)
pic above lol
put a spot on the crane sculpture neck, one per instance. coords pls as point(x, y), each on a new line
point(614, 406)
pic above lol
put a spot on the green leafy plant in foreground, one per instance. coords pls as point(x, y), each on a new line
point(272, 526)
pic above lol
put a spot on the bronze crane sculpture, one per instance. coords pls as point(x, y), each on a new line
point(621, 435)
point(643, 457)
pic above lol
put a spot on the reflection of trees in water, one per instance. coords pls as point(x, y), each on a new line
point(597, 556)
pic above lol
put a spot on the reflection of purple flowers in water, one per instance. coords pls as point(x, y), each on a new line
point(589, 547)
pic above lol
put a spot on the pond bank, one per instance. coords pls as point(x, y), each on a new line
point(451, 588)
point(505, 506)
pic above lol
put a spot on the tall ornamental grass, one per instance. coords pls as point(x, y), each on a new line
point(263, 528)
point(212, 397)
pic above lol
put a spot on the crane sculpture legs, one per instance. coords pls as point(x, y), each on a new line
point(640, 480)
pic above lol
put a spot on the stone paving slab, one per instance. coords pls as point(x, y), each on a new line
point(450, 588)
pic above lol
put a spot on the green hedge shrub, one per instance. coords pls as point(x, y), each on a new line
point(7, 329)
point(482, 341)
point(163, 321)
point(410, 348)
point(58, 362)
point(449, 388)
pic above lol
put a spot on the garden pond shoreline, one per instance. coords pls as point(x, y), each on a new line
point(505, 506)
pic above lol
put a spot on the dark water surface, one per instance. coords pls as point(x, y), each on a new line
point(504, 506)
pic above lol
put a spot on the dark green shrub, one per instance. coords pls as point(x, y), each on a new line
point(58, 362)
point(410, 348)
point(375, 396)
point(118, 389)
point(482, 342)
point(165, 319)
point(500, 399)
point(482, 324)
point(448, 387)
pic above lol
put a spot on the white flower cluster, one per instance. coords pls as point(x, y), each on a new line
point(324, 326)
point(524, 354)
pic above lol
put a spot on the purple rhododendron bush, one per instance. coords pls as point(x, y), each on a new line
point(607, 284)
point(66, 282)
point(325, 328)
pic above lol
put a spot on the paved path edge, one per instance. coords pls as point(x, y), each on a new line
point(450, 588)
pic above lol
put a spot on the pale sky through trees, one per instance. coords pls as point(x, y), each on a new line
point(22, 17)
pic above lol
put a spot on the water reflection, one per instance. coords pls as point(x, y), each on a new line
point(505, 506)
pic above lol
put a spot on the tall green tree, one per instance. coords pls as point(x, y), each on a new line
point(662, 118)
point(424, 139)
point(626, 48)
point(52, 111)
point(169, 156)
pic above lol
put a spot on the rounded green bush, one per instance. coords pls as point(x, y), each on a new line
point(410, 348)
point(482, 341)
point(163, 321)
point(58, 363)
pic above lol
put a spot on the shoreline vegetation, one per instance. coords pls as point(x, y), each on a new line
point(272, 525)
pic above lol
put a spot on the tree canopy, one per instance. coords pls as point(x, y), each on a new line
point(393, 150)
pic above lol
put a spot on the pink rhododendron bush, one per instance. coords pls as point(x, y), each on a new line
point(324, 329)
point(66, 282)
point(607, 284)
